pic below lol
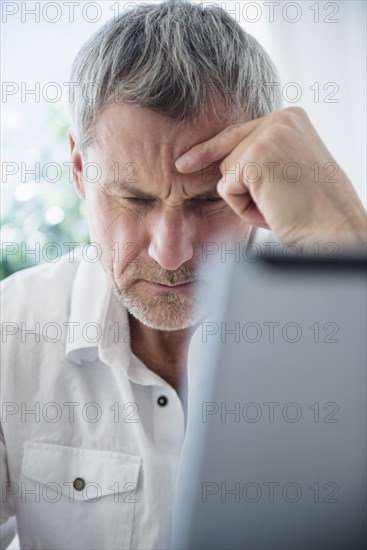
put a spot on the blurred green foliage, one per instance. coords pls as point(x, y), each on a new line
point(41, 213)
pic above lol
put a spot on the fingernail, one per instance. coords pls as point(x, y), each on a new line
point(183, 162)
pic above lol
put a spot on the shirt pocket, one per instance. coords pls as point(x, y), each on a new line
point(74, 498)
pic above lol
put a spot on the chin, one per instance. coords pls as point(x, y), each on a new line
point(166, 323)
point(167, 312)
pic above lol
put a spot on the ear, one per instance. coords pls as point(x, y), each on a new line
point(76, 159)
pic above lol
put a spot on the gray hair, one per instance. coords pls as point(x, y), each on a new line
point(174, 58)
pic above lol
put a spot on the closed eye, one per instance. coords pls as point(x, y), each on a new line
point(138, 200)
point(196, 203)
point(210, 199)
point(214, 198)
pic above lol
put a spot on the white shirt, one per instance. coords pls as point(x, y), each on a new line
point(90, 455)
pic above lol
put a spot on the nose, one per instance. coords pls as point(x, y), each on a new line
point(171, 238)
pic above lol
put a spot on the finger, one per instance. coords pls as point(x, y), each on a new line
point(216, 148)
point(247, 210)
point(237, 195)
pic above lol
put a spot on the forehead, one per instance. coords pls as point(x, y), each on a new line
point(134, 133)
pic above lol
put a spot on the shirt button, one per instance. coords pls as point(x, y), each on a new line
point(79, 484)
point(162, 401)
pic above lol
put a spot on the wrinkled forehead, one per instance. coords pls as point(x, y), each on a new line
point(133, 133)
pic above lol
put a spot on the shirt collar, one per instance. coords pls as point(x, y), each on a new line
point(98, 324)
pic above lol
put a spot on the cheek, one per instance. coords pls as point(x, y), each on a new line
point(109, 223)
point(119, 236)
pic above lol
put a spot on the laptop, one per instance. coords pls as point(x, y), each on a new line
point(275, 450)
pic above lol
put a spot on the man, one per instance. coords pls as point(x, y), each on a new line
point(95, 362)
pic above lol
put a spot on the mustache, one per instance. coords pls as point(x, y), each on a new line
point(142, 269)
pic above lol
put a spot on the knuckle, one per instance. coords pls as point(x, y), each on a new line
point(296, 110)
point(289, 115)
point(262, 146)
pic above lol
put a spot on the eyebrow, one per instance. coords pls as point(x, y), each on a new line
point(138, 193)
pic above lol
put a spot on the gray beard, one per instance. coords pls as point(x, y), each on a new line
point(169, 312)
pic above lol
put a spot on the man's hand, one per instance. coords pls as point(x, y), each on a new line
point(278, 174)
